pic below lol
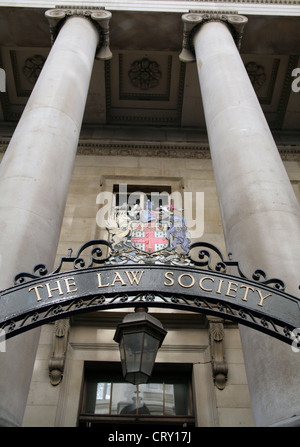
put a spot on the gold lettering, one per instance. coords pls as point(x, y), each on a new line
point(35, 288)
point(118, 278)
point(100, 281)
point(201, 281)
point(262, 298)
point(190, 276)
point(231, 289)
point(68, 284)
point(171, 283)
point(133, 278)
point(246, 291)
point(220, 285)
point(52, 290)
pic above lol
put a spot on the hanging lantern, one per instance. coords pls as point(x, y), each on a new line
point(140, 335)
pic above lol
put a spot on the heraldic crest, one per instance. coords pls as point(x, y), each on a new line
point(157, 236)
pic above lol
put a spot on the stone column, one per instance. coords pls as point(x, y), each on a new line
point(34, 178)
point(260, 213)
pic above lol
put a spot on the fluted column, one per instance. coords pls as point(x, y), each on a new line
point(34, 179)
point(260, 213)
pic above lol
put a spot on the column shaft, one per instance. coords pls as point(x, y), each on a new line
point(260, 213)
point(34, 179)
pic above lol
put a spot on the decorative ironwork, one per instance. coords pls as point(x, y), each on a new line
point(101, 302)
point(107, 275)
point(96, 255)
point(206, 255)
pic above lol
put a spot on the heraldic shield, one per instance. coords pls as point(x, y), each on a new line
point(150, 238)
point(147, 234)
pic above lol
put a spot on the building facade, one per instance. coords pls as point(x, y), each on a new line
point(196, 103)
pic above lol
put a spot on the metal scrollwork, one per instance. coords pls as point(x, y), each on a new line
point(202, 280)
point(38, 271)
point(200, 305)
point(205, 259)
point(95, 256)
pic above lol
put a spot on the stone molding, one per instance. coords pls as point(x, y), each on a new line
point(155, 149)
point(263, 2)
point(172, 150)
point(181, 6)
point(194, 20)
point(98, 16)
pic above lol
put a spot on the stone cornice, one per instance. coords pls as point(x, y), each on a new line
point(142, 149)
point(78, 4)
point(166, 150)
point(248, 7)
point(155, 149)
point(265, 2)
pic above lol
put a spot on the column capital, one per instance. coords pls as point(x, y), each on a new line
point(192, 22)
point(98, 16)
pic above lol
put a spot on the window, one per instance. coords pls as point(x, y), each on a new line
point(167, 398)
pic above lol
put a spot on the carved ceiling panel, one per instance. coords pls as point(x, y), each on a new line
point(22, 66)
point(145, 83)
point(144, 87)
point(139, 87)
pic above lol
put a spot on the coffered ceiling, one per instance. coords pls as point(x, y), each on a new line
point(145, 83)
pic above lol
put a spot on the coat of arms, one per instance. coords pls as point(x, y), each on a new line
point(148, 235)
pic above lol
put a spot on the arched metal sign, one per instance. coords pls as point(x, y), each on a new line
point(199, 280)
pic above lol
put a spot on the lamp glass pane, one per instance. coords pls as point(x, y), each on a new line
point(151, 345)
point(122, 356)
point(133, 350)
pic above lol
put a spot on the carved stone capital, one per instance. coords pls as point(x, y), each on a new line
point(219, 363)
point(194, 20)
point(98, 16)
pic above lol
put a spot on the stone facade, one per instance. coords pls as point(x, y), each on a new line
point(76, 123)
point(213, 407)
